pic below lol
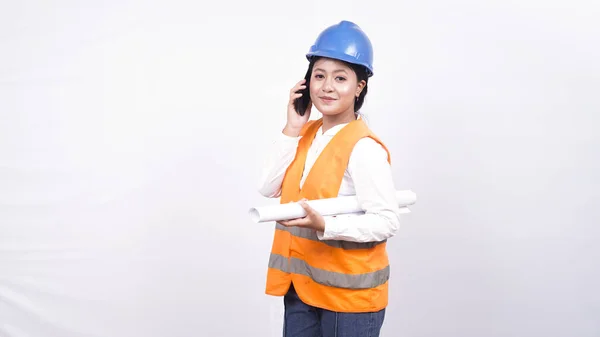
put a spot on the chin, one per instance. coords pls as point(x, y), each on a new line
point(328, 110)
point(330, 113)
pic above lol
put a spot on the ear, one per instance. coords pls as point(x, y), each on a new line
point(360, 87)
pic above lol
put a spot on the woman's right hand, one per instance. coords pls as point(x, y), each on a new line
point(295, 122)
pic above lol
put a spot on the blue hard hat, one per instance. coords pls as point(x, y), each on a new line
point(344, 41)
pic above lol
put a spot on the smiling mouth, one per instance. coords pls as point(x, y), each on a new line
point(327, 99)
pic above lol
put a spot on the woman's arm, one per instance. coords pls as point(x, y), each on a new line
point(281, 155)
point(283, 150)
point(372, 177)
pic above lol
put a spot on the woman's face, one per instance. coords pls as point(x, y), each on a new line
point(334, 87)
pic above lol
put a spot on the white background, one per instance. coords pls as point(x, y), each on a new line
point(132, 136)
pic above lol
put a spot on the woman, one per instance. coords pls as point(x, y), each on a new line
point(332, 271)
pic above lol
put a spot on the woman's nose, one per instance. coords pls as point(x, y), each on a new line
point(327, 87)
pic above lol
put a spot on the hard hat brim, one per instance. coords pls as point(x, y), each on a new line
point(342, 57)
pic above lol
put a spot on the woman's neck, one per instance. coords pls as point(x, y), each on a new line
point(331, 121)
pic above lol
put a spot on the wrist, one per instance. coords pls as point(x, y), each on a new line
point(321, 226)
point(330, 228)
point(291, 131)
point(321, 231)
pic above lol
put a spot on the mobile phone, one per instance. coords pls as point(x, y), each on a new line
point(302, 103)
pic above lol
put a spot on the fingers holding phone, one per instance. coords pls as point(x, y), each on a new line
point(295, 120)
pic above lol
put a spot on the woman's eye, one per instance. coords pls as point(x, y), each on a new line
point(339, 78)
point(318, 76)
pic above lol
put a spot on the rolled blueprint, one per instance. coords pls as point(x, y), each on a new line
point(326, 207)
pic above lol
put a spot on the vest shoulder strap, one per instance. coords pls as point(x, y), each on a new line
point(311, 127)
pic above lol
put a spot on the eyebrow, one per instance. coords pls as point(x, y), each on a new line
point(335, 71)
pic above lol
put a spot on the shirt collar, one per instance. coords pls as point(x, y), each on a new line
point(334, 130)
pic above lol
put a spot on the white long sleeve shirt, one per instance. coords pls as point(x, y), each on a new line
point(368, 176)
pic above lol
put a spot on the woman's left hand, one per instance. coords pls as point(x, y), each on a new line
point(312, 219)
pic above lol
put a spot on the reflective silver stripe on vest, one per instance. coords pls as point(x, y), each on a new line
point(330, 278)
point(310, 234)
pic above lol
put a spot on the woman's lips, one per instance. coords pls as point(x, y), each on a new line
point(327, 99)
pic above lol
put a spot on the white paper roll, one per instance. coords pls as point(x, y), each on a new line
point(325, 207)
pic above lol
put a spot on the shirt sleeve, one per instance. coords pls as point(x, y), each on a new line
point(281, 155)
point(372, 177)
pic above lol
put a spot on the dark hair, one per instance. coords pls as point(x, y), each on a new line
point(301, 103)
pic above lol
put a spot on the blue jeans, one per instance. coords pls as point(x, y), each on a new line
point(302, 320)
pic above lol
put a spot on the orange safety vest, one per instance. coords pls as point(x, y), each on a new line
point(340, 276)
